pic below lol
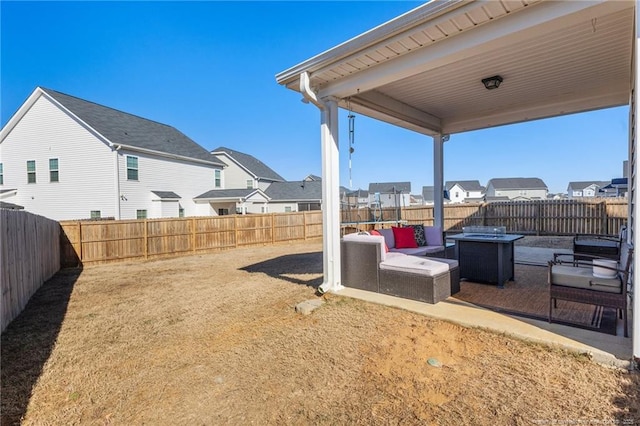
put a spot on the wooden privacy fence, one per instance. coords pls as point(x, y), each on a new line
point(92, 242)
point(539, 217)
point(30, 246)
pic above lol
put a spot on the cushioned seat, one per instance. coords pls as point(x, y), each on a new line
point(571, 276)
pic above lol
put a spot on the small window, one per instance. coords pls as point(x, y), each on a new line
point(132, 168)
point(141, 214)
point(180, 211)
point(31, 171)
point(218, 179)
point(1, 175)
point(249, 183)
point(223, 212)
point(287, 209)
point(53, 170)
point(95, 214)
point(264, 209)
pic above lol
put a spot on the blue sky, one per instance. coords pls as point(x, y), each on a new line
point(208, 69)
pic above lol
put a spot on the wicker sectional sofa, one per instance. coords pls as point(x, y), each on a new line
point(366, 265)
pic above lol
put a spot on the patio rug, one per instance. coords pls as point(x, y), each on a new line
point(528, 296)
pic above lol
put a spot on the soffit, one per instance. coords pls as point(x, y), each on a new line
point(555, 57)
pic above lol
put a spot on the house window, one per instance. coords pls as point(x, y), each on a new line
point(53, 170)
point(95, 214)
point(223, 212)
point(1, 175)
point(31, 171)
point(264, 209)
point(249, 183)
point(141, 214)
point(180, 211)
point(287, 209)
point(132, 168)
point(218, 179)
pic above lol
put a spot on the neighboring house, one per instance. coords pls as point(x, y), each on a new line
point(234, 201)
point(428, 197)
point(312, 178)
point(618, 187)
point(389, 194)
point(67, 158)
point(461, 191)
point(294, 196)
point(416, 200)
point(586, 189)
point(244, 170)
point(499, 189)
point(356, 199)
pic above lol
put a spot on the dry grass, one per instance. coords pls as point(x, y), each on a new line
point(214, 339)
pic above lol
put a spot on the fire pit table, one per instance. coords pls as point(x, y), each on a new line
point(485, 254)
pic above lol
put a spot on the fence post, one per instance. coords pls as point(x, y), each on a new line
point(538, 218)
point(193, 233)
point(605, 224)
point(304, 225)
point(273, 229)
point(146, 240)
point(80, 240)
point(235, 231)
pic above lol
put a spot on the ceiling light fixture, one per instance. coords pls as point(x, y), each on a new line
point(492, 82)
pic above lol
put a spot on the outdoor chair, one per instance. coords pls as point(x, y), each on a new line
point(599, 244)
point(598, 281)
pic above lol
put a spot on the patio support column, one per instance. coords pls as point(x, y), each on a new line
point(438, 179)
point(330, 197)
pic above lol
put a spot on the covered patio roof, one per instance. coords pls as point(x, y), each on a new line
point(423, 71)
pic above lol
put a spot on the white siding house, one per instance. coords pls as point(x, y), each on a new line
point(516, 189)
point(464, 190)
point(390, 194)
point(66, 158)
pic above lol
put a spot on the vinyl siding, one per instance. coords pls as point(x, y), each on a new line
point(85, 164)
point(156, 173)
point(235, 177)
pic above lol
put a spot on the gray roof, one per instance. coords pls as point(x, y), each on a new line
point(390, 187)
point(251, 163)
point(313, 177)
point(227, 193)
point(585, 184)
point(127, 129)
point(427, 193)
point(166, 195)
point(467, 185)
point(517, 183)
point(360, 193)
point(10, 206)
point(295, 191)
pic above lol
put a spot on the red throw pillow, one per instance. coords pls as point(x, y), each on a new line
point(374, 232)
point(405, 237)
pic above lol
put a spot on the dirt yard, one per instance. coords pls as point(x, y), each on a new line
point(214, 339)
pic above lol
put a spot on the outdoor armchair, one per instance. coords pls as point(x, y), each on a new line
point(599, 244)
point(591, 280)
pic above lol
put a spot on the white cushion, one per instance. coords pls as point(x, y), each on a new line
point(371, 239)
point(415, 265)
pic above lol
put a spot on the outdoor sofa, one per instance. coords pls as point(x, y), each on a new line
point(596, 281)
point(367, 265)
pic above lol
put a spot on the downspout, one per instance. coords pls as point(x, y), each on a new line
point(330, 187)
point(118, 212)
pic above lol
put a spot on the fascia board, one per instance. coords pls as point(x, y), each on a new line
point(236, 162)
point(167, 155)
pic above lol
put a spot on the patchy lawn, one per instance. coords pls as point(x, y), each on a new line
point(214, 339)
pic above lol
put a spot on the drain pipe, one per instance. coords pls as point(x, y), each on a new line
point(330, 187)
point(309, 95)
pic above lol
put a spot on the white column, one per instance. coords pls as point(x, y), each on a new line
point(438, 180)
point(330, 197)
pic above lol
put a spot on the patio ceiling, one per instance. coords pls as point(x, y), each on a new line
point(423, 70)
